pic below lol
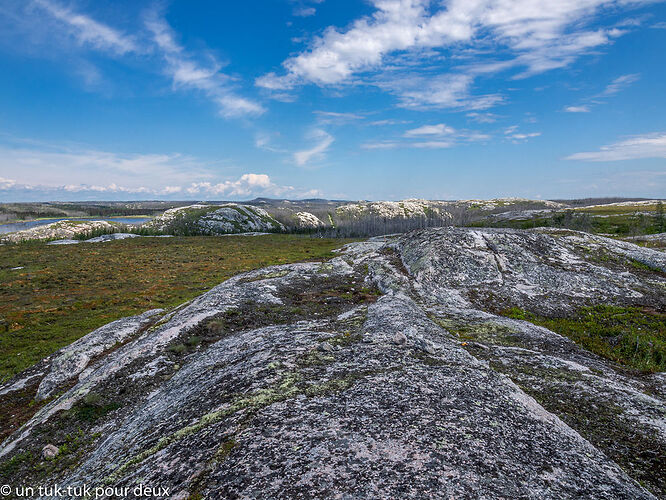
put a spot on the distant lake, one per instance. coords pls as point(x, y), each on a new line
point(20, 226)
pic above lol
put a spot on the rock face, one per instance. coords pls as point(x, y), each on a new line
point(65, 229)
point(306, 220)
point(348, 379)
point(214, 219)
point(394, 209)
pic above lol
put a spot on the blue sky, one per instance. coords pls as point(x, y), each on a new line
point(376, 99)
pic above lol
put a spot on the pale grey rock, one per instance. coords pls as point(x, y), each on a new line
point(65, 230)
point(111, 237)
point(70, 361)
point(64, 242)
point(50, 451)
point(399, 338)
point(255, 412)
point(306, 220)
point(215, 219)
point(325, 347)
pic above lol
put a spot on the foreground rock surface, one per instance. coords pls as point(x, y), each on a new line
point(346, 379)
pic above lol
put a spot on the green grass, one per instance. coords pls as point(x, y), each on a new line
point(64, 292)
point(618, 224)
point(618, 209)
point(632, 336)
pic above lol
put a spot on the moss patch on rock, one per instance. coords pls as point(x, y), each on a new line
point(632, 336)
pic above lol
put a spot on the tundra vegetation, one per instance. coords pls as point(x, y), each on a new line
point(52, 295)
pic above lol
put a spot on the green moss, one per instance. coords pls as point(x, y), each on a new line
point(345, 339)
point(225, 450)
point(487, 332)
point(643, 266)
point(632, 336)
point(91, 408)
point(178, 348)
point(272, 275)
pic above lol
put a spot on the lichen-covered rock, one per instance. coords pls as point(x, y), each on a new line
point(215, 219)
point(65, 229)
point(70, 361)
point(349, 379)
point(394, 209)
point(306, 220)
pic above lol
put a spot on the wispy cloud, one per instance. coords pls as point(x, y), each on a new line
point(305, 8)
point(634, 148)
point(88, 31)
point(79, 173)
point(482, 117)
point(537, 36)
point(430, 130)
point(186, 72)
point(244, 187)
point(577, 109)
point(437, 136)
point(437, 92)
point(336, 118)
point(381, 123)
point(248, 185)
point(512, 134)
point(323, 142)
point(619, 84)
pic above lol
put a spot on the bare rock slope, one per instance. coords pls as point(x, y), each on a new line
point(346, 379)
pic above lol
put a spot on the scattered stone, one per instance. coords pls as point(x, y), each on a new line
point(50, 451)
point(425, 345)
point(399, 338)
point(325, 347)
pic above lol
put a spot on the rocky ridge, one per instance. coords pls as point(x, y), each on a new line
point(215, 219)
point(351, 378)
point(65, 229)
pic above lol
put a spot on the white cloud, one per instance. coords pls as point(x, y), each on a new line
point(305, 11)
point(482, 117)
point(185, 72)
point(62, 173)
point(434, 92)
point(55, 166)
point(379, 123)
point(634, 148)
point(426, 130)
point(433, 144)
point(87, 31)
point(6, 183)
point(539, 35)
point(324, 141)
point(577, 109)
point(332, 117)
point(246, 186)
point(522, 137)
point(516, 137)
point(380, 145)
point(436, 136)
point(619, 84)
